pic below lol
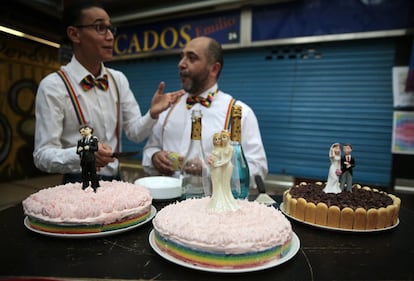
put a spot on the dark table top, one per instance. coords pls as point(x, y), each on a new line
point(323, 254)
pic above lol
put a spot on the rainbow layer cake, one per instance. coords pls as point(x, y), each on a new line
point(250, 236)
point(68, 209)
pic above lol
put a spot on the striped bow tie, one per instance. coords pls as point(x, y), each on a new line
point(89, 82)
point(191, 100)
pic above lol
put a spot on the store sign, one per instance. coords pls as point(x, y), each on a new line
point(224, 27)
point(329, 17)
point(291, 19)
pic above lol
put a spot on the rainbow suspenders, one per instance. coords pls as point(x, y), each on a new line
point(78, 110)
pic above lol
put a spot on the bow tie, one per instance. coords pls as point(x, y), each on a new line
point(89, 82)
point(191, 100)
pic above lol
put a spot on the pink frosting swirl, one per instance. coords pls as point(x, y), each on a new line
point(72, 205)
point(253, 227)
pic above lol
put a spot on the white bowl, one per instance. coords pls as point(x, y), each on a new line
point(161, 187)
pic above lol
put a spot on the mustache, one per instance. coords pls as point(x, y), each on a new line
point(184, 73)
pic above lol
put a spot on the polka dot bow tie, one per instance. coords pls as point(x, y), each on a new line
point(191, 100)
point(89, 82)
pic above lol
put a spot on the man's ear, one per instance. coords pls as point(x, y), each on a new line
point(215, 68)
point(73, 34)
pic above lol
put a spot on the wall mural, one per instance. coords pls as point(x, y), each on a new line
point(22, 65)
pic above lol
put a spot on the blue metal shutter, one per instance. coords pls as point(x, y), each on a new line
point(144, 76)
point(306, 97)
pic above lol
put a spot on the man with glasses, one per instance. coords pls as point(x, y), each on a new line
point(85, 91)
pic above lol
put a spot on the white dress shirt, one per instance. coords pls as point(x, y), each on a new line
point(57, 127)
point(172, 132)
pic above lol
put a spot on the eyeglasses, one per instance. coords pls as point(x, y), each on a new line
point(100, 28)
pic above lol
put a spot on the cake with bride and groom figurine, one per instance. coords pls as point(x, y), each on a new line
point(339, 203)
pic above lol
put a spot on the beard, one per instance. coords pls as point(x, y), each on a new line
point(194, 84)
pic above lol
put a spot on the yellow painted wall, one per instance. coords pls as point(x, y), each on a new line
point(23, 64)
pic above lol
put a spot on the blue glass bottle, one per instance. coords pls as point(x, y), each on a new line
point(240, 180)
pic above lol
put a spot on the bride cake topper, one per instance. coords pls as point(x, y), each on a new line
point(221, 170)
point(332, 184)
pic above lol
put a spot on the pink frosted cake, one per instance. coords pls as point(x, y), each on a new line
point(67, 209)
point(250, 236)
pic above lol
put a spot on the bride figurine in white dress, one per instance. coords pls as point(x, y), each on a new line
point(333, 185)
point(221, 170)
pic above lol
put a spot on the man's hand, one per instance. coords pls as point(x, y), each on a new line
point(161, 102)
point(103, 155)
point(162, 163)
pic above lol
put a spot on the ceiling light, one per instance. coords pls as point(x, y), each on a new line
point(27, 36)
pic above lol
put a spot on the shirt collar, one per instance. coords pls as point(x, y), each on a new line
point(205, 93)
point(78, 71)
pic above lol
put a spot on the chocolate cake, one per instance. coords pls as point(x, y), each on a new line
point(364, 208)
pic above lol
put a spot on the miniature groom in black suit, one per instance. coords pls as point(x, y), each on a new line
point(347, 164)
point(87, 146)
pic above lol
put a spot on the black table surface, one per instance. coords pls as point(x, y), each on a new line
point(323, 254)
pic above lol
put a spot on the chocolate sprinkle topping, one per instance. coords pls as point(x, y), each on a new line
point(359, 197)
